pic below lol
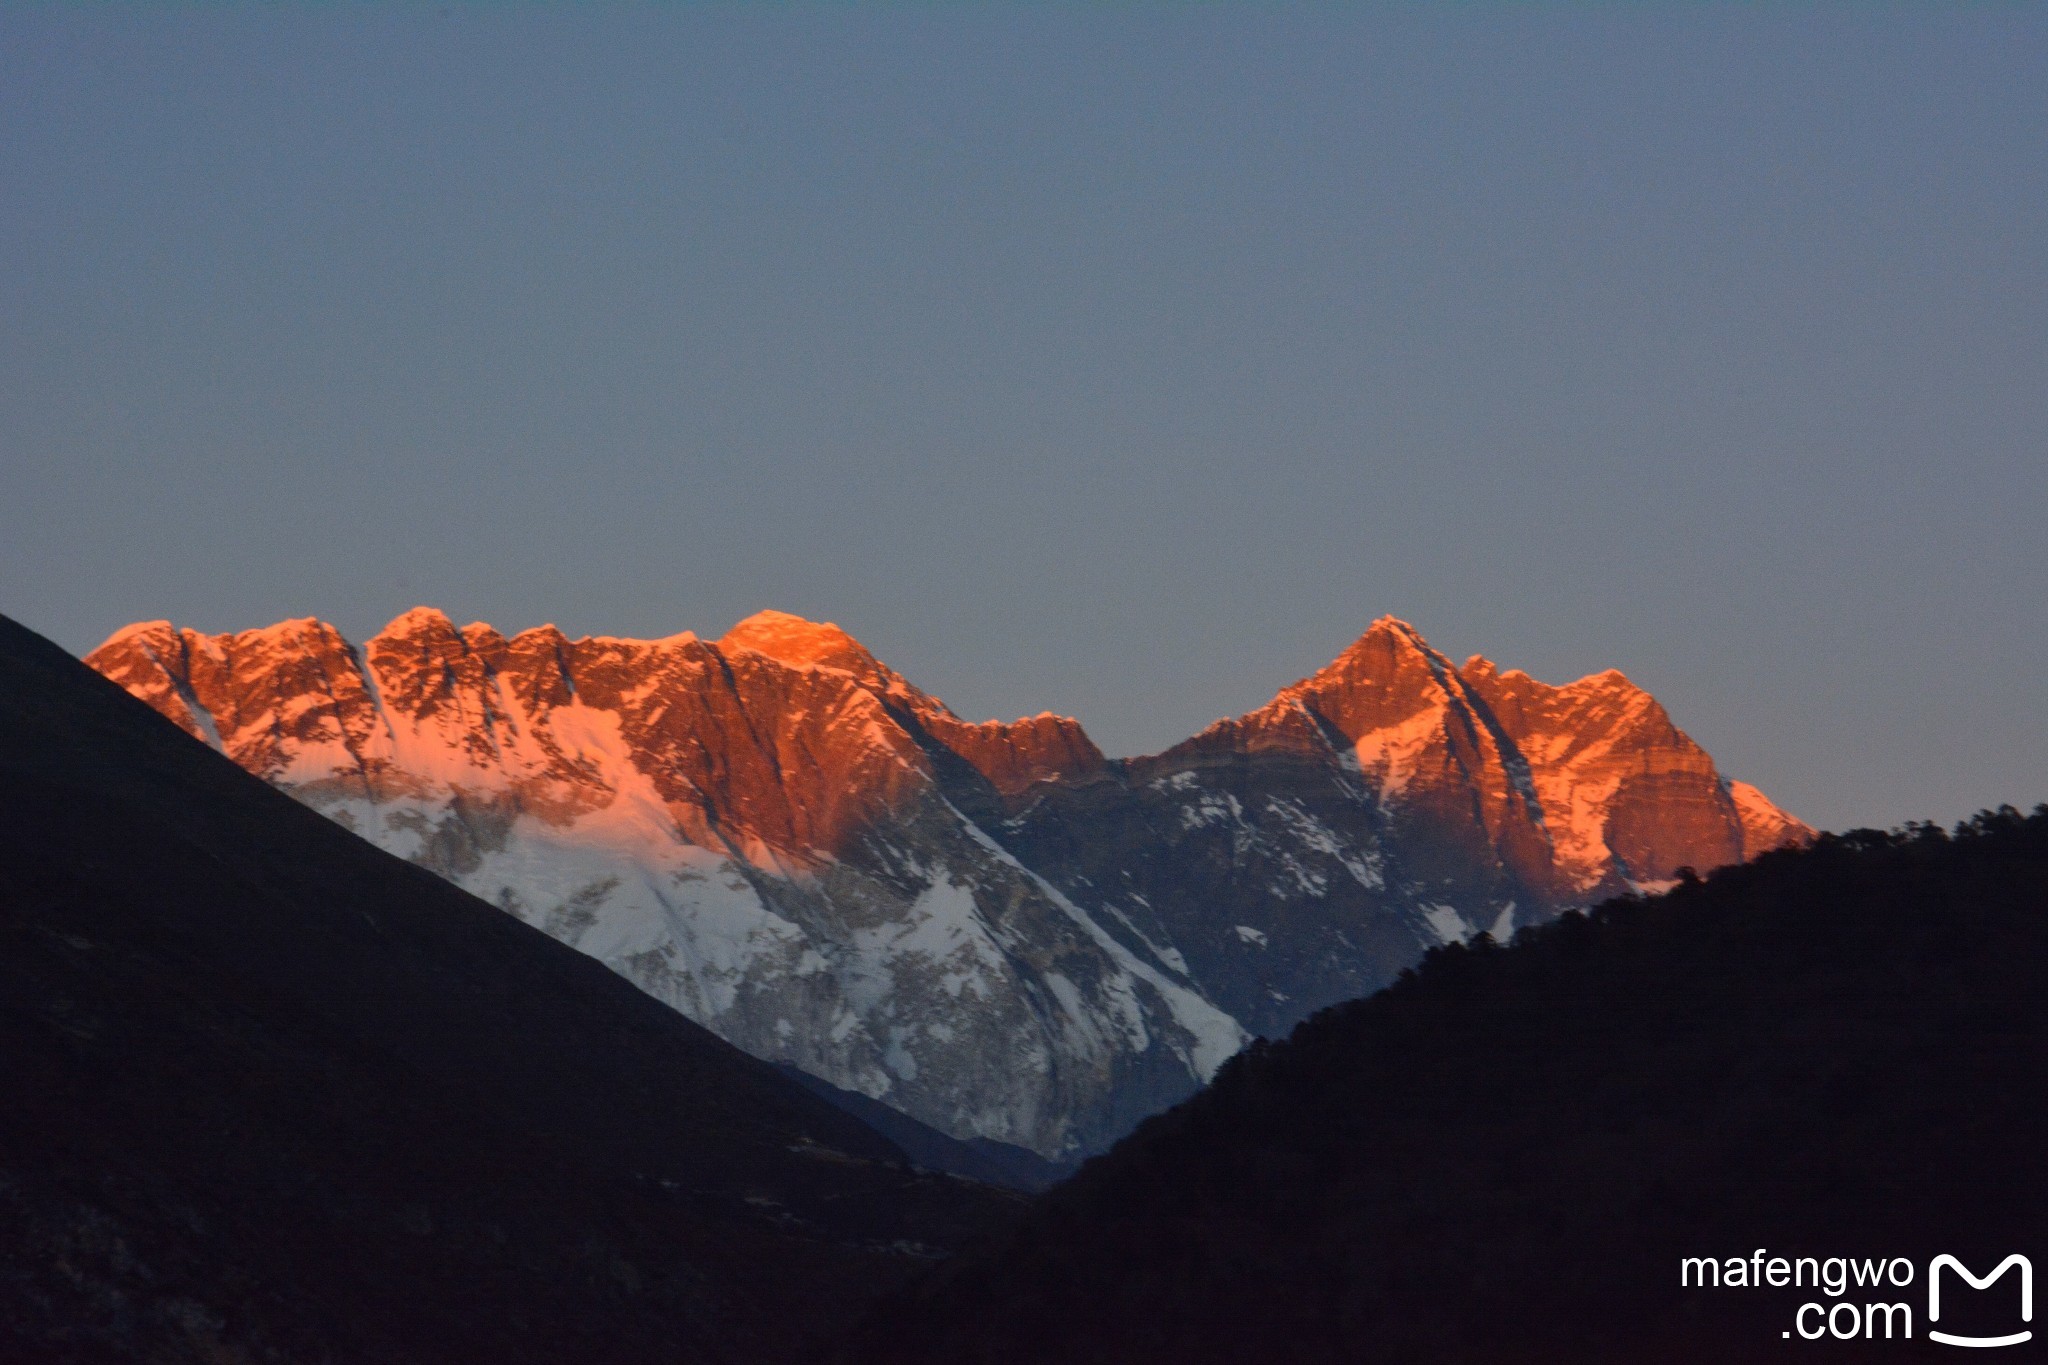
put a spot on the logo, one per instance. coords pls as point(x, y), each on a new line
point(1861, 1315)
point(1934, 1298)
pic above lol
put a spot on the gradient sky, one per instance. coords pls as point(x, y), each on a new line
point(1120, 361)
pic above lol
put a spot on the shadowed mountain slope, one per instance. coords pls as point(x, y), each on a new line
point(1505, 1157)
point(992, 1163)
point(988, 926)
point(275, 1095)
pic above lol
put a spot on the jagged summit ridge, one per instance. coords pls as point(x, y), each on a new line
point(990, 925)
point(766, 845)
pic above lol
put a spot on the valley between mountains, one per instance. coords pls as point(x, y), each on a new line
point(991, 927)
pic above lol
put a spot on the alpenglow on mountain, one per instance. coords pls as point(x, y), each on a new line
point(990, 926)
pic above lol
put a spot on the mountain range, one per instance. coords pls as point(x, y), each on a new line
point(991, 927)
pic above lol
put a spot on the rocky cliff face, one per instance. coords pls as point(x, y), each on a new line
point(989, 926)
point(1308, 851)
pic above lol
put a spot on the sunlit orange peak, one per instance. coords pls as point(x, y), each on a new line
point(418, 620)
point(794, 640)
point(132, 631)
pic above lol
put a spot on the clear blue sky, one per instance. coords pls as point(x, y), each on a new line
point(1123, 361)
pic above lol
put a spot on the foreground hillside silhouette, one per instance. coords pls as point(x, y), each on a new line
point(1504, 1157)
point(274, 1095)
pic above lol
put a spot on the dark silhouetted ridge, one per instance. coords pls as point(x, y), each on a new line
point(274, 1095)
point(992, 1163)
point(1504, 1156)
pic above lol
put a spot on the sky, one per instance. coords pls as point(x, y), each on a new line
point(1123, 361)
